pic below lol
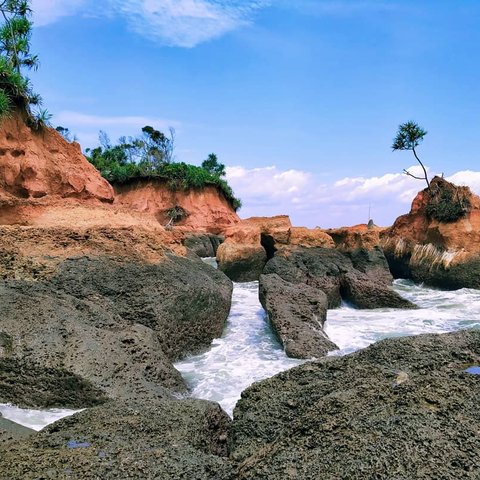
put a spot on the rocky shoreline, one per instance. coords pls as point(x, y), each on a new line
point(98, 299)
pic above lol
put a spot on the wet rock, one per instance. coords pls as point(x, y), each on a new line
point(297, 313)
point(117, 324)
point(164, 439)
point(203, 245)
point(401, 409)
point(360, 290)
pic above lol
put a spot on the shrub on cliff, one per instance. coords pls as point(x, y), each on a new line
point(150, 156)
point(447, 202)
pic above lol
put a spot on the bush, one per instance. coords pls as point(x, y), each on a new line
point(127, 161)
point(447, 203)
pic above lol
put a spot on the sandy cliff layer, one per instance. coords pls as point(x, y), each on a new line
point(206, 208)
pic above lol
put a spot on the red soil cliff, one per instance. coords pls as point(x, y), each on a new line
point(40, 164)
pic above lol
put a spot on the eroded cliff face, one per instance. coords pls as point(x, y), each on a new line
point(440, 253)
point(206, 209)
point(38, 164)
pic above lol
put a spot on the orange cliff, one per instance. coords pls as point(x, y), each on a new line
point(207, 210)
point(46, 181)
point(54, 203)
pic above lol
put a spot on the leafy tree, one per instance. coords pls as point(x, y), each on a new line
point(151, 156)
point(212, 166)
point(15, 56)
point(409, 136)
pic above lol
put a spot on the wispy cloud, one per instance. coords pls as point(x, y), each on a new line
point(183, 23)
point(47, 12)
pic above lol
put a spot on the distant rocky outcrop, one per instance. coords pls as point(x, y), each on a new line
point(252, 242)
point(438, 242)
point(402, 408)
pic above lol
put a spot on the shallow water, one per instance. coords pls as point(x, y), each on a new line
point(247, 352)
point(35, 419)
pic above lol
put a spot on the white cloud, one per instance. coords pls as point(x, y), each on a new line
point(46, 12)
point(183, 23)
point(270, 191)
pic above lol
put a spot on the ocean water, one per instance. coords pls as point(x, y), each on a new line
point(248, 350)
point(439, 312)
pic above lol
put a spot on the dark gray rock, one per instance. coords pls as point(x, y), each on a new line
point(297, 313)
point(31, 386)
point(401, 409)
point(161, 439)
point(118, 325)
point(203, 245)
point(334, 273)
point(11, 431)
point(363, 292)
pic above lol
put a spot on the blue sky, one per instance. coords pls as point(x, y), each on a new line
point(300, 99)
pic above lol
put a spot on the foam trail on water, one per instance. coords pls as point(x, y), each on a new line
point(439, 312)
point(247, 352)
point(34, 419)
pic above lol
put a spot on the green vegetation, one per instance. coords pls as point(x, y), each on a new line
point(15, 89)
point(447, 202)
point(409, 136)
point(151, 156)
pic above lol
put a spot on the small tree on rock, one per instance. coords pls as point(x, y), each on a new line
point(409, 136)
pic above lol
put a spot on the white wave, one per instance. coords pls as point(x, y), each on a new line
point(34, 419)
point(247, 352)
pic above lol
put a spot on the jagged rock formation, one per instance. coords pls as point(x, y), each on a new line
point(165, 439)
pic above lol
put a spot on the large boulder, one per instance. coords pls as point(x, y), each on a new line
point(438, 242)
point(164, 439)
point(400, 409)
point(203, 245)
point(117, 324)
point(334, 273)
point(297, 313)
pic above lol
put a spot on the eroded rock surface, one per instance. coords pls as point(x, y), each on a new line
point(114, 323)
point(297, 313)
point(333, 273)
point(164, 439)
point(400, 409)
